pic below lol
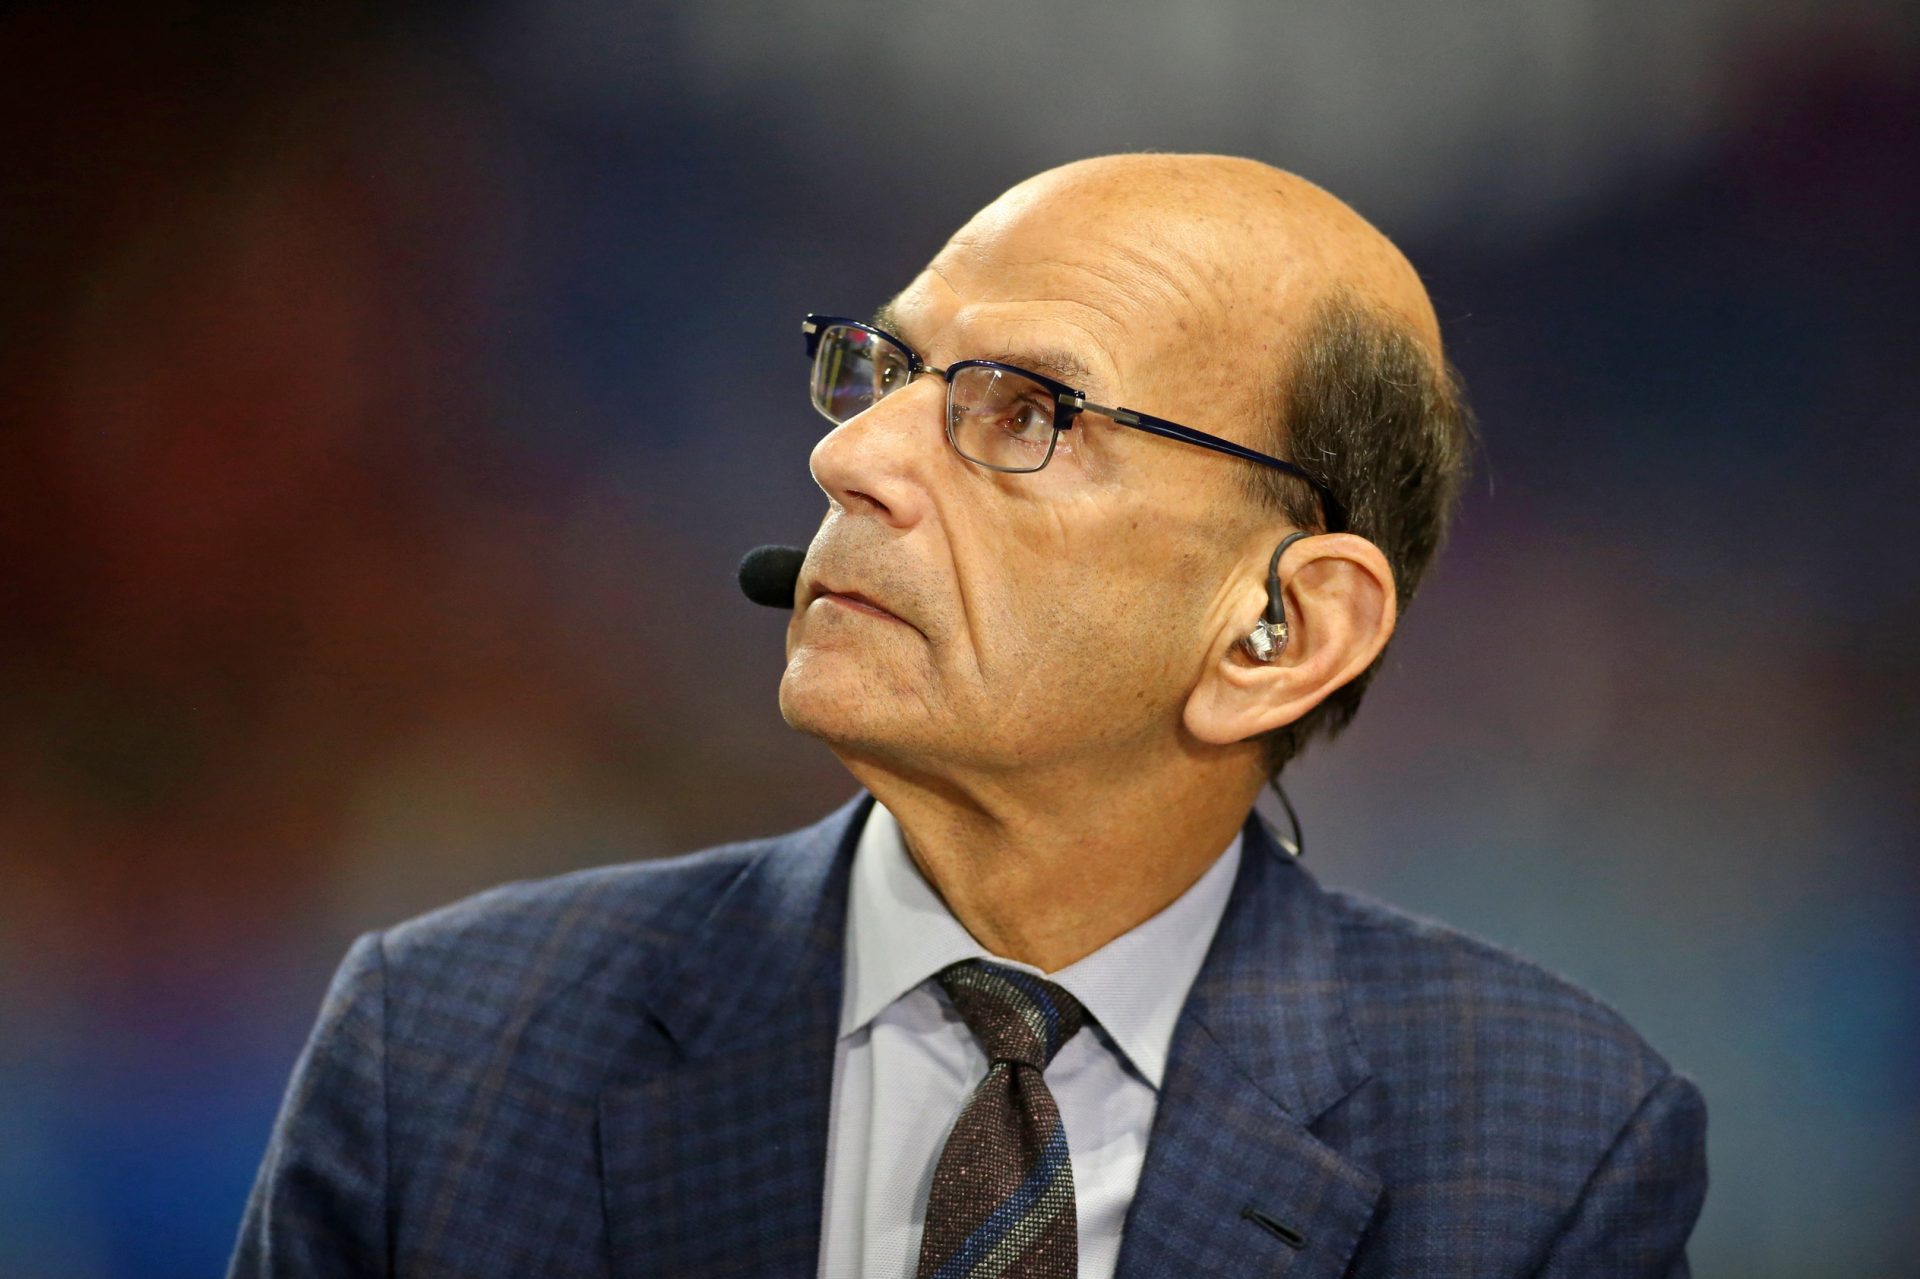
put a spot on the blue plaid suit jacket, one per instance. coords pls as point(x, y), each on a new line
point(627, 1072)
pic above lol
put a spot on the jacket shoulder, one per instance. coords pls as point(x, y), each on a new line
point(1506, 1095)
point(553, 973)
point(546, 920)
point(1424, 996)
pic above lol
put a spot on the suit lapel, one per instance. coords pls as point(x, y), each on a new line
point(713, 1157)
point(1235, 1182)
point(713, 1153)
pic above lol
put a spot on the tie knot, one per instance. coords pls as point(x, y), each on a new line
point(1015, 1016)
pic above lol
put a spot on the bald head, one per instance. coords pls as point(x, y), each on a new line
point(1236, 240)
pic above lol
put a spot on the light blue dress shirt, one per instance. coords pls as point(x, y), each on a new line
point(905, 1063)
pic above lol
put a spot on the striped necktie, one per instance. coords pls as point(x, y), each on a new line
point(1002, 1199)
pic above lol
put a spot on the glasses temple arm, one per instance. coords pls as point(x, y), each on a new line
point(1336, 515)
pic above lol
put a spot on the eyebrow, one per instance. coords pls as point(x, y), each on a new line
point(1057, 363)
point(1062, 366)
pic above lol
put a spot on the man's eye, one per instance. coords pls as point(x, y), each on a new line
point(1030, 420)
point(889, 374)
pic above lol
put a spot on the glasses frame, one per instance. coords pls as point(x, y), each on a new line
point(1068, 403)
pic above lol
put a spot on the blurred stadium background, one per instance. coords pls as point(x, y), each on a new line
point(390, 390)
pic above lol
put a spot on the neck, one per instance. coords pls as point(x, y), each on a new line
point(1051, 871)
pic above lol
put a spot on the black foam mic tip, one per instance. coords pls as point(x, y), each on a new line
point(769, 574)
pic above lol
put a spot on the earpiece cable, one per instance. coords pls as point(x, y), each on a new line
point(1298, 845)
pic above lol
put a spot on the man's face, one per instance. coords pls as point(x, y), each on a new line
point(1017, 623)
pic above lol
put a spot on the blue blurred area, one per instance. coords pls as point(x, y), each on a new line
point(395, 388)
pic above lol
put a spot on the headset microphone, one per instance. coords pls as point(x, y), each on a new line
point(769, 574)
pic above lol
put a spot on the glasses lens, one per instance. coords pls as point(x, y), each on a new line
point(1000, 418)
point(852, 368)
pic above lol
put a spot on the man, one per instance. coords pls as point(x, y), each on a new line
point(1124, 494)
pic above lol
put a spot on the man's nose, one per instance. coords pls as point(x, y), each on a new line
point(880, 460)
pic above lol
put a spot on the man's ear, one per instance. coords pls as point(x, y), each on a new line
point(1341, 608)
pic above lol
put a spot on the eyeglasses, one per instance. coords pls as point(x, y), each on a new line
point(998, 416)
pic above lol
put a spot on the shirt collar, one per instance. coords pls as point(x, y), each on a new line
point(900, 933)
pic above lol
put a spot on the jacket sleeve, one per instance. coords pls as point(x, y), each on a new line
point(1633, 1218)
point(318, 1206)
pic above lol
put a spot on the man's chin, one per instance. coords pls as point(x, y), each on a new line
point(849, 711)
point(818, 700)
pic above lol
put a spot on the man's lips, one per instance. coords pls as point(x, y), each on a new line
point(857, 602)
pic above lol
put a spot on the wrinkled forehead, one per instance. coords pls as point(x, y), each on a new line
point(1144, 296)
